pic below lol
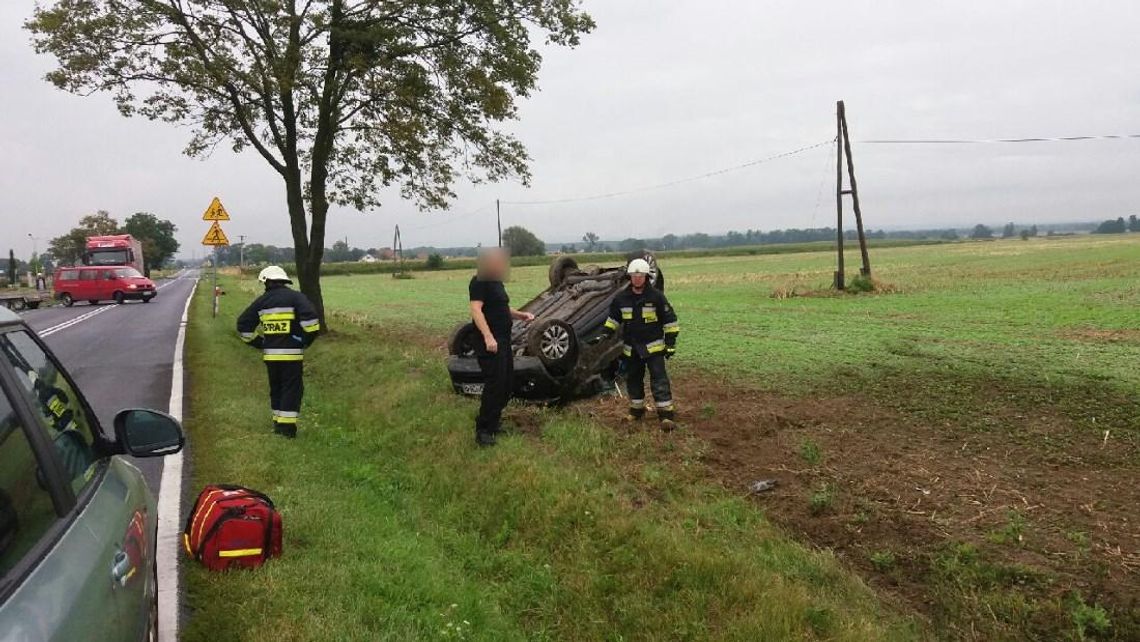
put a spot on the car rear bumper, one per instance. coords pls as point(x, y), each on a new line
point(531, 380)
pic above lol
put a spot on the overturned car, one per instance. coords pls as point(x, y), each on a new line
point(555, 356)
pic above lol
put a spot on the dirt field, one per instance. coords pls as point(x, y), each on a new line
point(939, 518)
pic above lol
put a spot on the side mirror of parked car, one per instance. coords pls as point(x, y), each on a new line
point(148, 433)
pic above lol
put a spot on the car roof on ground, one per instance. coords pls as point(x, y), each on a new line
point(8, 317)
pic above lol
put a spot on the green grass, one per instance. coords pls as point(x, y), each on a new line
point(398, 528)
point(583, 533)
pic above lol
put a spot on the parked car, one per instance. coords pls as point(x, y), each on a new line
point(95, 284)
point(77, 522)
point(554, 358)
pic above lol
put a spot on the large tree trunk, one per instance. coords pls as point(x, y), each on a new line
point(307, 251)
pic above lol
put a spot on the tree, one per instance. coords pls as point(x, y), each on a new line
point(522, 242)
point(11, 267)
point(591, 241)
point(1133, 224)
point(1025, 234)
point(1009, 231)
point(1112, 227)
point(156, 236)
point(340, 97)
point(982, 232)
point(69, 248)
point(631, 245)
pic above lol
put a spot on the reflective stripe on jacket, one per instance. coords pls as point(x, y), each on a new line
point(647, 320)
point(282, 323)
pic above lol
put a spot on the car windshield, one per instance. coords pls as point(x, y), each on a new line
point(127, 273)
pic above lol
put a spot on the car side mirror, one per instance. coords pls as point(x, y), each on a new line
point(148, 433)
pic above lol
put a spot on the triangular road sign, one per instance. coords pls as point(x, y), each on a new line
point(215, 236)
point(216, 212)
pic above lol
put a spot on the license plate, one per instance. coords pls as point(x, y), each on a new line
point(471, 388)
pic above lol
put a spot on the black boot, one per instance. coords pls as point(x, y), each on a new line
point(668, 420)
point(634, 414)
point(485, 439)
point(288, 431)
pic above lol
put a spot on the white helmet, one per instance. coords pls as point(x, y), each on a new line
point(273, 273)
point(638, 266)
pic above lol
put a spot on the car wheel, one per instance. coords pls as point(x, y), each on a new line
point(554, 343)
point(146, 299)
point(119, 298)
point(66, 300)
point(656, 276)
point(561, 268)
point(464, 340)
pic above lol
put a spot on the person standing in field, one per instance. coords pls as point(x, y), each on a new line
point(650, 331)
point(281, 323)
point(492, 314)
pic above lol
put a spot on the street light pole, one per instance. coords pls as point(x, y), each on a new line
point(241, 257)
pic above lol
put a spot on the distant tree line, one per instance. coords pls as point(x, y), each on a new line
point(1119, 226)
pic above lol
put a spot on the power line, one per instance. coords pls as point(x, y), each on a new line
point(991, 141)
point(672, 183)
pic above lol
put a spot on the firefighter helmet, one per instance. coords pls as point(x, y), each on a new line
point(273, 273)
point(639, 266)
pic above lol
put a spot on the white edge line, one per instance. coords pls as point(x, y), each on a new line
point(170, 500)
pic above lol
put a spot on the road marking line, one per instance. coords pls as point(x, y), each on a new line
point(70, 322)
point(170, 500)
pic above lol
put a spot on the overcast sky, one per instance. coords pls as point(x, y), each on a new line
point(663, 90)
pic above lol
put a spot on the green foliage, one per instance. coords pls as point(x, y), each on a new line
point(1090, 621)
point(809, 451)
point(68, 249)
point(821, 500)
point(434, 262)
point(883, 561)
point(341, 99)
point(522, 242)
point(982, 232)
point(591, 241)
point(861, 284)
point(1110, 226)
point(1013, 532)
point(157, 238)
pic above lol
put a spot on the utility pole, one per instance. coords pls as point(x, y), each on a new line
point(843, 148)
point(499, 221)
point(241, 257)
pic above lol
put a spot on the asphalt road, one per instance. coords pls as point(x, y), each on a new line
point(120, 355)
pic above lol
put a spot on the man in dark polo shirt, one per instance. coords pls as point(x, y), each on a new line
point(491, 311)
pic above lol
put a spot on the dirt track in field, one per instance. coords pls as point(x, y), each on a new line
point(1048, 513)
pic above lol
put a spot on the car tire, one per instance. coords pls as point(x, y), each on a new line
point(553, 341)
point(146, 299)
point(561, 268)
point(66, 300)
point(656, 276)
point(464, 340)
point(33, 305)
point(119, 299)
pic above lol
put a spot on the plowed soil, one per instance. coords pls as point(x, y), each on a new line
point(1028, 507)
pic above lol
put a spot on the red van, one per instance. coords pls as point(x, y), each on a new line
point(95, 284)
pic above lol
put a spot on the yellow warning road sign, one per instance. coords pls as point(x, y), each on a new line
point(215, 236)
point(216, 212)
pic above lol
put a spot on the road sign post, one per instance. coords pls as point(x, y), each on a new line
point(215, 238)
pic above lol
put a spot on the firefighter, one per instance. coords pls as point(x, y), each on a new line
point(493, 317)
point(650, 332)
point(281, 323)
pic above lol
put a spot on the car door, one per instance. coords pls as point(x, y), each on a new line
point(88, 286)
point(84, 585)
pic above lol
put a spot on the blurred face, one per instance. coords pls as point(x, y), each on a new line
point(493, 264)
point(638, 280)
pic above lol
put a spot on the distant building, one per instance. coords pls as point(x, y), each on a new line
point(368, 258)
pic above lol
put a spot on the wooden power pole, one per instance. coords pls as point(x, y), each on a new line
point(843, 149)
point(499, 221)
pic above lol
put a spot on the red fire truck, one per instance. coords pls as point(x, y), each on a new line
point(115, 249)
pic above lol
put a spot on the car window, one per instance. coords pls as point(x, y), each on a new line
point(62, 415)
point(26, 509)
point(88, 275)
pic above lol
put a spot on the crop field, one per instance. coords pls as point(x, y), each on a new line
point(957, 457)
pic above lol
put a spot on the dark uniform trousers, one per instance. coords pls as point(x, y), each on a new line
point(286, 388)
point(498, 375)
point(636, 365)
